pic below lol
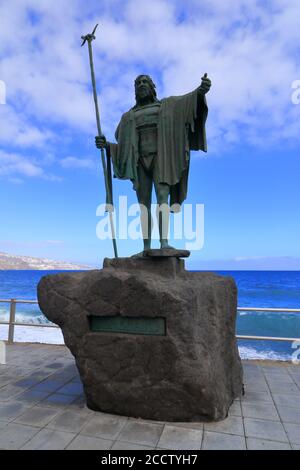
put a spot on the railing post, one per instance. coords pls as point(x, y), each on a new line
point(12, 319)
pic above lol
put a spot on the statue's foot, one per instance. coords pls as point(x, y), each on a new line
point(166, 246)
point(141, 254)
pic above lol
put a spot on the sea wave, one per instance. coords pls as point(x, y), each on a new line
point(249, 353)
point(26, 316)
point(256, 323)
point(27, 334)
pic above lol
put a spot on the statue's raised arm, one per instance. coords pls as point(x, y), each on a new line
point(205, 85)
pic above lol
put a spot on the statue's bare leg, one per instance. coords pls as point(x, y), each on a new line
point(144, 194)
point(163, 214)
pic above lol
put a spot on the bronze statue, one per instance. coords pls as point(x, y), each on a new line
point(154, 139)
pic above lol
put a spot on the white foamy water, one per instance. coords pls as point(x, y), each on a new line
point(34, 334)
point(247, 352)
point(27, 334)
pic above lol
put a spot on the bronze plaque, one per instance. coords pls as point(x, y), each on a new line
point(128, 325)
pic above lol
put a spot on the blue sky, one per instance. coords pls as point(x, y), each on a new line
point(50, 177)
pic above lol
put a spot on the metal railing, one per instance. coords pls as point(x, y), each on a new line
point(12, 320)
point(12, 317)
point(268, 338)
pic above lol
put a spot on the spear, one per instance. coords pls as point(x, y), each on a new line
point(106, 167)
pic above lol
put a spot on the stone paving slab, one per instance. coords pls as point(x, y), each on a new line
point(235, 409)
point(69, 421)
point(48, 439)
point(12, 409)
point(42, 406)
point(105, 426)
point(37, 416)
point(256, 385)
point(293, 432)
point(270, 430)
point(31, 397)
point(14, 436)
point(3, 423)
point(219, 441)
point(58, 399)
point(260, 411)
point(27, 382)
point(72, 388)
point(9, 391)
point(289, 415)
point(261, 444)
point(281, 388)
point(47, 386)
point(231, 425)
point(141, 433)
point(119, 445)
point(256, 397)
point(89, 443)
point(179, 438)
point(291, 400)
point(198, 426)
point(79, 405)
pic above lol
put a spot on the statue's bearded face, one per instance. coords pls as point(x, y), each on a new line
point(143, 88)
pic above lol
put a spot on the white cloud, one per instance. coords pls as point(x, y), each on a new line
point(11, 163)
point(73, 162)
point(14, 165)
point(249, 50)
point(16, 130)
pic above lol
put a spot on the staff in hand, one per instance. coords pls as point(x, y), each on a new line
point(105, 164)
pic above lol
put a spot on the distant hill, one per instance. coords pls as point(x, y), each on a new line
point(27, 262)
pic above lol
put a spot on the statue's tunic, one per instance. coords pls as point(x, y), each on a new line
point(146, 121)
point(180, 128)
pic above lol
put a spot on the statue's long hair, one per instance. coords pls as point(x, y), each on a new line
point(151, 83)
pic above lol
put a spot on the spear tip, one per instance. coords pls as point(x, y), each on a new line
point(94, 29)
point(89, 37)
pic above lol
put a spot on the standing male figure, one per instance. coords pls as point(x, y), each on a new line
point(154, 139)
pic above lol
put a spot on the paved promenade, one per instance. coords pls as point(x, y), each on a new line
point(42, 407)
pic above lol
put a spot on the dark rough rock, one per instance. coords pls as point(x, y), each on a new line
point(163, 253)
point(192, 373)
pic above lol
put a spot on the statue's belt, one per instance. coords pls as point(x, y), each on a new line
point(148, 155)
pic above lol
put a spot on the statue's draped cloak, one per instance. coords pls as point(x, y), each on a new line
point(180, 128)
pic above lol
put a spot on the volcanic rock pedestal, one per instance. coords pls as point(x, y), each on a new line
point(150, 339)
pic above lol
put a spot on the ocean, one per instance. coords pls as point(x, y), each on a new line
point(279, 289)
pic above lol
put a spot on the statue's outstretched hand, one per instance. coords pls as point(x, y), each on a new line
point(205, 84)
point(101, 141)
